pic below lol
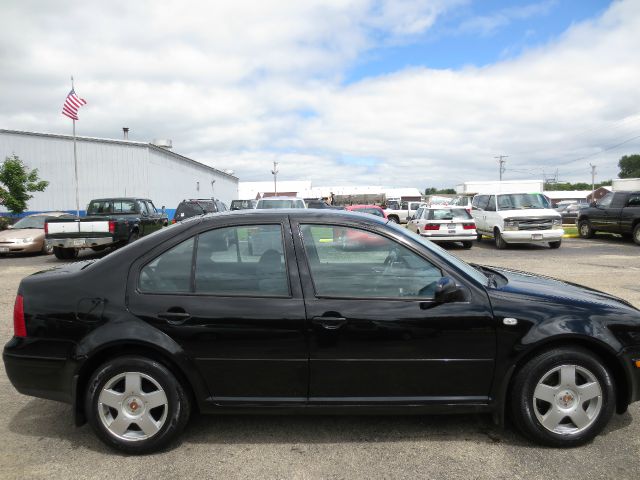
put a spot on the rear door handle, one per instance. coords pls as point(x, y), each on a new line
point(329, 323)
point(175, 318)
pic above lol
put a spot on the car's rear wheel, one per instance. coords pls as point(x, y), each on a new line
point(136, 404)
point(467, 244)
point(563, 397)
point(479, 237)
point(500, 243)
point(555, 244)
point(585, 230)
point(636, 234)
point(46, 249)
point(135, 235)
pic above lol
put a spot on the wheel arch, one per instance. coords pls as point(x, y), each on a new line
point(153, 352)
point(607, 356)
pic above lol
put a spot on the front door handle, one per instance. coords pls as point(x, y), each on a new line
point(329, 323)
point(176, 317)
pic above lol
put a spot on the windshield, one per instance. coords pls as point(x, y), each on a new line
point(262, 204)
point(30, 222)
point(442, 253)
point(522, 201)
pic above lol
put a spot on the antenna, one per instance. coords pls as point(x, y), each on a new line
point(274, 172)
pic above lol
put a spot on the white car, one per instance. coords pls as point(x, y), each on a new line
point(517, 218)
point(280, 202)
point(444, 224)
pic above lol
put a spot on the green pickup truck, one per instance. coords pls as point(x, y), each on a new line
point(110, 222)
point(616, 212)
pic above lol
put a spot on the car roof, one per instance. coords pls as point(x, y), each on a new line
point(363, 206)
point(300, 213)
point(49, 214)
point(117, 199)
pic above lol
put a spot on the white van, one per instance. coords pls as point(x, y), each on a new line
point(517, 218)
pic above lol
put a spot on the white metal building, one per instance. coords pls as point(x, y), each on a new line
point(109, 167)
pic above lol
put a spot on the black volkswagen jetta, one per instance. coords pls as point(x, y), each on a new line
point(267, 311)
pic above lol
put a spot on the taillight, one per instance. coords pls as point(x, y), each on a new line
point(173, 221)
point(112, 226)
point(432, 226)
point(469, 226)
point(46, 228)
point(19, 327)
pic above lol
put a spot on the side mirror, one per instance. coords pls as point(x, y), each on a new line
point(446, 290)
point(593, 204)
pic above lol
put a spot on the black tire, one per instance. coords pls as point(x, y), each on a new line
point(636, 234)
point(500, 243)
point(524, 406)
point(555, 244)
point(177, 404)
point(479, 237)
point(65, 253)
point(135, 235)
point(46, 249)
point(467, 245)
point(585, 230)
point(393, 219)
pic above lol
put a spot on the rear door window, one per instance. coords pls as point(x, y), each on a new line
point(170, 272)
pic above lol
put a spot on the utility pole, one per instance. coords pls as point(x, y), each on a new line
point(593, 181)
point(501, 161)
point(274, 172)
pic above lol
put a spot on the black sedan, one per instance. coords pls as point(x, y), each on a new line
point(190, 318)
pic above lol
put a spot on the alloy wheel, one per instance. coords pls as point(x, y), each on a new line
point(567, 400)
point(132, 406)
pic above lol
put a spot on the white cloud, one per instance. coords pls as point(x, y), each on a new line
point(239, 84)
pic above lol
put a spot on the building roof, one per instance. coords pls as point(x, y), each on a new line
point(119, 142)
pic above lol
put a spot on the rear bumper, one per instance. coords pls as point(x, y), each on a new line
point(467, 237)
point(79, 242)
point(37, 375)
point(532, 236)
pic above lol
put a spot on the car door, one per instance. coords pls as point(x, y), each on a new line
point(376, 333)
point(155, 217)
point(414, 224)
point(599, 215)
point(630, 213)
point(238, 315)
point(478, 211)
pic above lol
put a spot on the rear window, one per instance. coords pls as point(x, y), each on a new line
point(449, 214)
point(191, 209)
point(264, 204)
point(111, 206)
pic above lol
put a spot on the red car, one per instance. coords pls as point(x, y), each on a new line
point(353, 239)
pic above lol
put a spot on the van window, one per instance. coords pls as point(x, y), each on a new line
point(491, 205)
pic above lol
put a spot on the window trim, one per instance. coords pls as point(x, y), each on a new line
point(299, 225)
point(196, 237)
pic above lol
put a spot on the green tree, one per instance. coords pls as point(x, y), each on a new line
point(629, 166)
point(16, 181)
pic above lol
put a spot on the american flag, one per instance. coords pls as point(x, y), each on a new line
point(72, 104)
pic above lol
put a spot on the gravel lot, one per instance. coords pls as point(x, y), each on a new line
point(39, 440)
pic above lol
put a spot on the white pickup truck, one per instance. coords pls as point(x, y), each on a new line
point(401, 212)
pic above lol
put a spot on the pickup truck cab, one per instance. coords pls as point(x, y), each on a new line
point(110, 222)
point(401, 212)
point(517, 218)
point(616, 212)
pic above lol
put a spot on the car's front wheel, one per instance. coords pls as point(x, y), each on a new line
point(136, 404)
point(563, 397)
point(500, 243)
point(585, 230)
point(467, 245)
point(555, 244)
point(636, 234)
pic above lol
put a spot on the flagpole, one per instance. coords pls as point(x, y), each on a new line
point(75, 161)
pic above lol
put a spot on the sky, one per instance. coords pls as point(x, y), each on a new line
point(415, 93)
